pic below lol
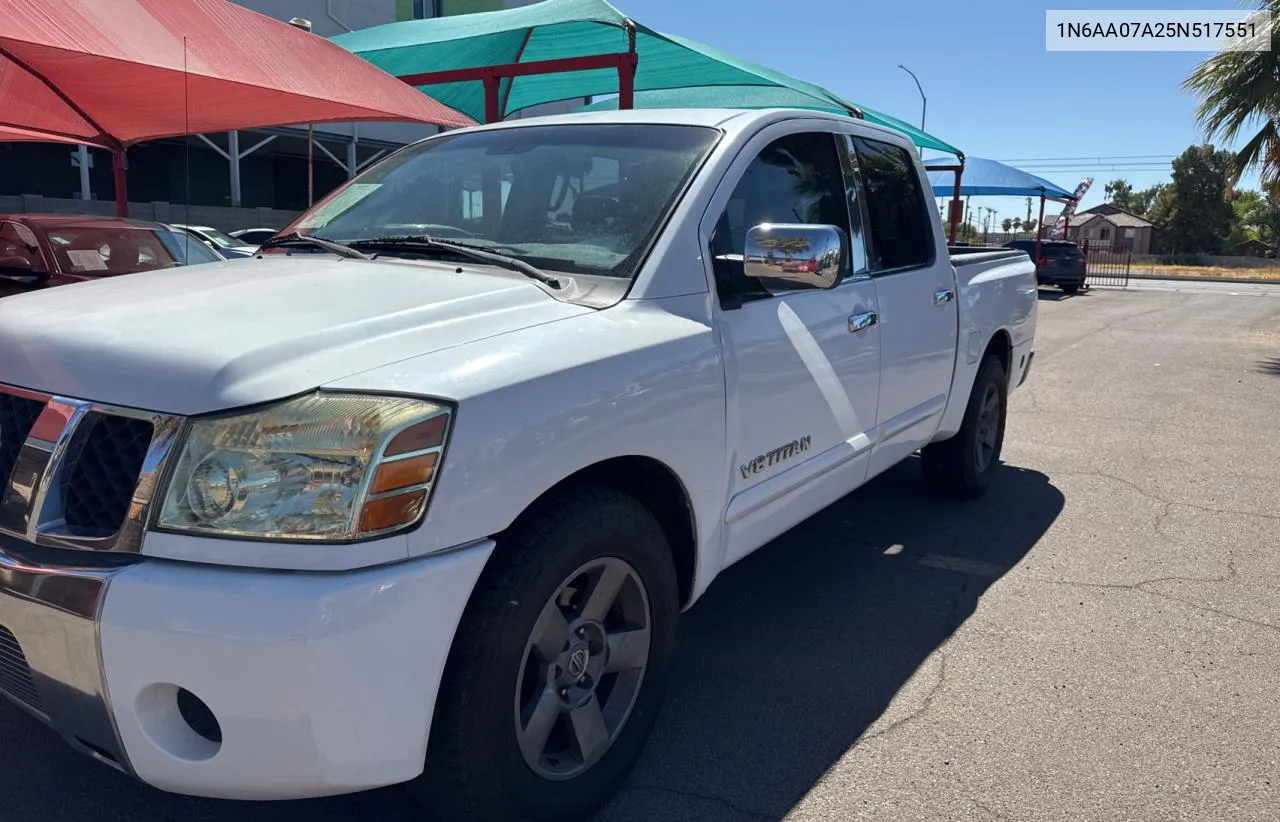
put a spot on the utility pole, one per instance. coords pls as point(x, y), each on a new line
point(924, 101)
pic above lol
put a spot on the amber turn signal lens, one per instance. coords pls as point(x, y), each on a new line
point(392, 512)
point(403, 473)
point(420, 437)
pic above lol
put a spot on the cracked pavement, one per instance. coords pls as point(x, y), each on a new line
point(1097, 639)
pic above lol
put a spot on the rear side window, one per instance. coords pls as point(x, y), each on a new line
point(900, 231)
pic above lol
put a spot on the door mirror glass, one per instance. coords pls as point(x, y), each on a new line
point(794, 256)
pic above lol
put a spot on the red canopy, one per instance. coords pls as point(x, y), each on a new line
point(111, 73)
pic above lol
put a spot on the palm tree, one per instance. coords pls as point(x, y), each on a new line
point(1017, 225)
point(1006, 225)
point(1239, 91)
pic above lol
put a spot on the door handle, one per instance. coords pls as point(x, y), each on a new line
point(861, 322)
point(945, 295)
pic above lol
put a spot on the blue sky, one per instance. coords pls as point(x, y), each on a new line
point(993, 89)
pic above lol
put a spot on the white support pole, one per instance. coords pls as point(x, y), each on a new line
point(351, 156)
point(86, 192)
point(330, 154)
point(371, 158)
point(211, 144)
point(233, 159)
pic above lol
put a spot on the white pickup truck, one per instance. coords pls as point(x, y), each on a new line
point(418, 493)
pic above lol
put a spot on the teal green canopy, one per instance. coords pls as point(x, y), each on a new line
point(767, 97)
point(557, 29)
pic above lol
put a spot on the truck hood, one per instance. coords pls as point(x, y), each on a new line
point(222, 335)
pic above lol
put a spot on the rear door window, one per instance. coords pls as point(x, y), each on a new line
point(900, 224)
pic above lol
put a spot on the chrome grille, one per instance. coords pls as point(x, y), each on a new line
point(15, 673)
point(103, 462)
point(81, 474)
point(17, 415)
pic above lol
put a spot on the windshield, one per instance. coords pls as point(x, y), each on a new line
point(220, 239)
point(124, 250)
point(584, 199)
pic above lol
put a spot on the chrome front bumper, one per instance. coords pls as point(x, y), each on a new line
point(50, 663)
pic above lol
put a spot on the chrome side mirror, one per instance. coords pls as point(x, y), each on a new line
point(794, 256)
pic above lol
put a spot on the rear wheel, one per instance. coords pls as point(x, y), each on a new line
point(962, 466)
point(1070, 288)
point(559, 666)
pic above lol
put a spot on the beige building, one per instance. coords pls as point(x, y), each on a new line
point(1107, 225)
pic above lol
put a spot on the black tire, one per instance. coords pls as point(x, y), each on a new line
point(475, 769)
point(1070, 288)
point(952, 467)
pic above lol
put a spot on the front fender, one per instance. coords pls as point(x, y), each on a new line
point(643, 378)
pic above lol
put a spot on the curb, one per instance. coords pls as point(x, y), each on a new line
point(1235, 280)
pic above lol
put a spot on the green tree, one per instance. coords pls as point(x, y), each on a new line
point(1145, 202)
point(1030, 224)
point(1017, 224)
point(1257, 217)
point(1238, 93)
point(1120, 194)
point(1201, 217)
point(1007, 225)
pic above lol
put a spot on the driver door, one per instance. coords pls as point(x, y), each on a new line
point(802, 362)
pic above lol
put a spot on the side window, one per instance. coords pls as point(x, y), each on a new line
point(795, 179)
point(900, 225)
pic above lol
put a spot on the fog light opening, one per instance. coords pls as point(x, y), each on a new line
point(198, 716)
point(178, 722)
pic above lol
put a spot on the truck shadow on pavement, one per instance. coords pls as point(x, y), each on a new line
point(1270, 366)
point(783, 665)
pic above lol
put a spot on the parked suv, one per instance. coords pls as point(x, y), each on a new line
point(1060, 262)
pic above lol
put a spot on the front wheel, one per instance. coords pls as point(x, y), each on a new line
point(559, 666)
point(962, 466)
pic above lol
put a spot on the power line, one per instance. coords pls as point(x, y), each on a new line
point(1094, 157)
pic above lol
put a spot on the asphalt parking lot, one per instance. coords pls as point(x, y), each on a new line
point(1098, 639)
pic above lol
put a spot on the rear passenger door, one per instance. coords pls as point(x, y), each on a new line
point(916, 291)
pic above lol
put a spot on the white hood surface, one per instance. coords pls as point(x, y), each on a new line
point(223, 335)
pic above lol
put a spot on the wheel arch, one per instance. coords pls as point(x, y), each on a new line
point(655, 486)
point(1001, 345)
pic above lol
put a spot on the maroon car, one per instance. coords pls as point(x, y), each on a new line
point(43, 250)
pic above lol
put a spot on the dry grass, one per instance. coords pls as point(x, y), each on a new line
point(1264, 273)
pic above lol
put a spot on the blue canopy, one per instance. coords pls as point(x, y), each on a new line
point(987, 178)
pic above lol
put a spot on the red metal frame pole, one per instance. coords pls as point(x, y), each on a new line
point(118, 165)
point(627, 81)
point(625, 63)
point(627, 70)
point(492, 108)
point(593, 61)
point(1040, 226)
point(956, 207)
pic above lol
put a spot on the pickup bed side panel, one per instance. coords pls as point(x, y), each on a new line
point(643, 378)
point(996, 292)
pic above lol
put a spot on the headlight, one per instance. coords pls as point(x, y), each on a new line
point(321, 467)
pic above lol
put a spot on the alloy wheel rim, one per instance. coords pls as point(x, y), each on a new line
point(988, 428)
point(582, 669)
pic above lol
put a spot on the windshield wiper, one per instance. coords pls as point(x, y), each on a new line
point(425, 241)
point(320, 242)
